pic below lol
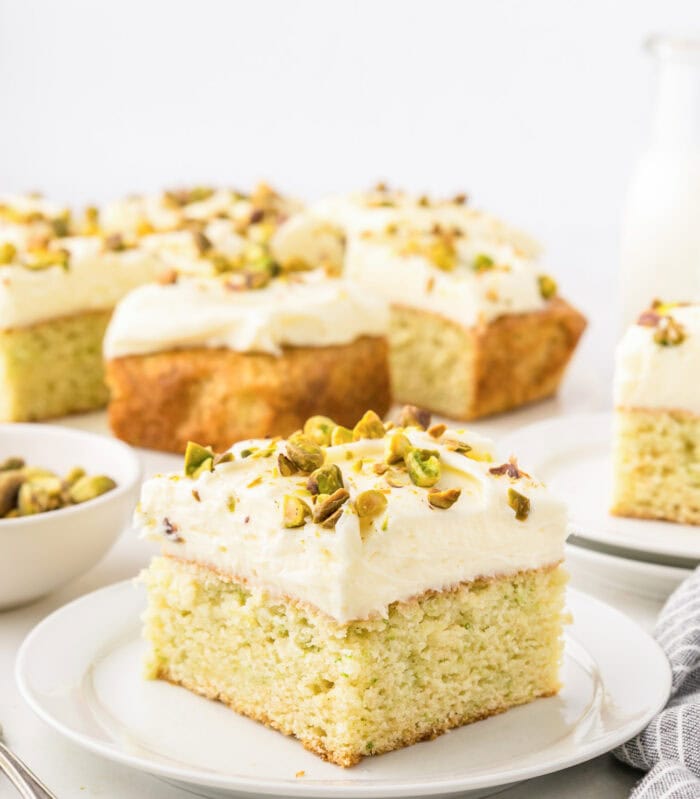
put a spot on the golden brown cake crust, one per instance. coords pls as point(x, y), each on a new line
point(503, 364)
point(521, 357)
point(218, 396)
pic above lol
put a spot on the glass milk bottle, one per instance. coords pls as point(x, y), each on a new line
point(660, 246)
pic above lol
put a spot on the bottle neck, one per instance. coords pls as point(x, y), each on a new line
point(677, 116)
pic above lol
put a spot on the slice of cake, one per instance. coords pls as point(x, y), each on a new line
point(231, 348)
point(56, 298)
point(656, 449)
point(360, 589)
point(62, 275)
point(476, 325)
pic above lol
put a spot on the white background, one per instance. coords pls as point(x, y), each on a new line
point(537, 108)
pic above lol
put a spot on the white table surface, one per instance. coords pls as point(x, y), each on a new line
point(74, 774)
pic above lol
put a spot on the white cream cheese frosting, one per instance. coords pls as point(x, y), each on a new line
point(231, 519)
point(92, 279)
point(348, 215)
point(658, 367)
point(484, 281)
point(306, 309)
point(365, 235)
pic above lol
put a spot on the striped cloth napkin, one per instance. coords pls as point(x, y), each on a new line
point(669, 748)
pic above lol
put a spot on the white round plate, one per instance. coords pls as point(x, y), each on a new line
point(648, 580)
point(80, 671)
point(572, 455)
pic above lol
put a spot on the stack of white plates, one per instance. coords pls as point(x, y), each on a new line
point(572, 454)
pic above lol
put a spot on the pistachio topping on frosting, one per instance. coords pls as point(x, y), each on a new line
point(323, 482)
point(657, 359)
point(669, 332)
point(339, 526)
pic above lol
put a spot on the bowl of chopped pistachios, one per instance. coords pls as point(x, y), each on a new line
point(65, 496)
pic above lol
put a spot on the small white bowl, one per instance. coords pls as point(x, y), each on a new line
point(39, 553)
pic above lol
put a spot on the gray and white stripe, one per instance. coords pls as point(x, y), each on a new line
point(669, 747)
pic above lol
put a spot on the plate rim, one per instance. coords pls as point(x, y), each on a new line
point(641, 567)
point(289, 787)
point(631, 550)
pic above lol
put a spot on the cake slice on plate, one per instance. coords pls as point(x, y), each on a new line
point(656, 449)
point(360, 589)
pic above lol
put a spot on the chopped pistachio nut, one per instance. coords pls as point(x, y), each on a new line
point(380, 468)
point(437, 430)
point(370, 503)
point(483, 263)
point(10, 483)
point(43, 259)
point(295, 511)
point(397, 478)
point(328, 505)
point(305, 454)
point(26, 490)
point(144, 227)
point(198, 459)
point(223, 457)
point(519, 503)
point(171, 531)
point(413, 416)
point(319, 429)
point(201, 242)
point(286, 467)
point(444, 499)
point(423, 467)
point(11, 463)
point(341, 435)
point(370, 426)
point(115, 243)
point(669, 332)
point(7, 253)
point(89, 487)
point(231, 503)
point(60, 226)
point(325, 480)
point(548, 286)
point(458, 446)
point(510, 468)
point(267, 451)
point(397, 447)
point(442, 254)
point(36, 498)
point(74, 475)
point(91, 221)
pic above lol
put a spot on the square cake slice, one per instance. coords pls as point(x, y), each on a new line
point(656, 450)
point(360, 589)
point(232, 347)
point(476, 326)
